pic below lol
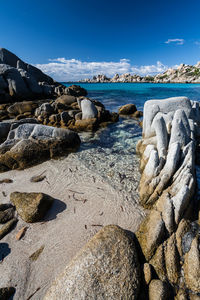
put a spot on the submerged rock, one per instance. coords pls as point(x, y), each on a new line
point(127, 109)
point(31, 207)
point(106, 268)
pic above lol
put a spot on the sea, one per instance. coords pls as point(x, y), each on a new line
point(111, 152)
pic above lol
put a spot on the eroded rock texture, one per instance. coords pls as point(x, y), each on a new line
point(29, 143)
point(107, 267)
point(21, 81)
point(168, 238)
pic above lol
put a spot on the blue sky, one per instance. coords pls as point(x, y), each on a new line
point(74, 39)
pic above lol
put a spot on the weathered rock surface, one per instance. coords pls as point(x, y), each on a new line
point(147, 270)
point(31, 207)
point(151, 233)
point(192, 266)
point(29, 144)
point(22, 107)
point(75, 113)
point(106, 268)
point(66, 99)
point(158, 290)
point(167, 236)
point(19, 80)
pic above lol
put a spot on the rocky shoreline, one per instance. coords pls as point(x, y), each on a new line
point(66, 232)
point(182, 74)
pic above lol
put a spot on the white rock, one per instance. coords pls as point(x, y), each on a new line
point(152, 107)
point(89, 110)
point(152, 164)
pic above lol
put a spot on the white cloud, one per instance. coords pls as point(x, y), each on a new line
point(176, 41)
point(150, 70)
point(62, 69)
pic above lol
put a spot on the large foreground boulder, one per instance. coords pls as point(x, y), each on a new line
point(106, 268)
point(29, 144)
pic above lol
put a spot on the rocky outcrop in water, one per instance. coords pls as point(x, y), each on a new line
point(72, 112)
point(22, 81)
point(182, 74)
point(169, 236)
point(130, 110)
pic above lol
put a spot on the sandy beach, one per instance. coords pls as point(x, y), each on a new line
point(84, 203)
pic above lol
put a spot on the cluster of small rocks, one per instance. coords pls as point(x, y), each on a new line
point(76, 113)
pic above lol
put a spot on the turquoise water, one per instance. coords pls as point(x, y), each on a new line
point(111, 152)
point(114, 95)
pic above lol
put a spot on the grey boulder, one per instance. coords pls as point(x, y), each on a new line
point(30, 144)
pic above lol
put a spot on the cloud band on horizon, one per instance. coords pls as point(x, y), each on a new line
point(62, 69)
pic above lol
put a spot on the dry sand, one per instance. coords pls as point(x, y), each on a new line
point(85, 202)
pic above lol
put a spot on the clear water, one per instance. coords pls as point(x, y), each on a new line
point(114, 95)
point(111, 151)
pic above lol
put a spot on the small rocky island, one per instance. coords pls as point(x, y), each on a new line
point(65, 232)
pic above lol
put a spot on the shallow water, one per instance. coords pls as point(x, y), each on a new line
point(111, 152)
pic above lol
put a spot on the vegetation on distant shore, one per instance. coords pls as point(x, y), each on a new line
point(182, 74)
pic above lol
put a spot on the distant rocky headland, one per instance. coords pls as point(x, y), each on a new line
point(182, 74)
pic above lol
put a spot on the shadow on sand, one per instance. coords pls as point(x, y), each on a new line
point(57, 207)
point(4, 251)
